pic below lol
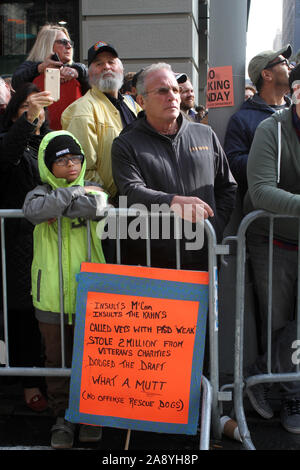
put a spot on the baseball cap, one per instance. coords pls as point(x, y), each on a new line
point(261, 60)
point(181, 77)
point(100, 46)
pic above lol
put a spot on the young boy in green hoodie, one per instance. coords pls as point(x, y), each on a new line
point(64, 200)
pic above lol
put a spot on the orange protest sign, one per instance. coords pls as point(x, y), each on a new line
point(138, 348)
point(139, 357)
point(219, 87)
point(199, 277)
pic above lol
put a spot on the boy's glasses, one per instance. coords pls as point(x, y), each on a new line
point(65, 42)
point(64, 161)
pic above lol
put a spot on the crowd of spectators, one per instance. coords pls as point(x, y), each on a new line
point(140, 135)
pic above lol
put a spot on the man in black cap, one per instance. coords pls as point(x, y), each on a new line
point(101, 114)
point(269, 72)
point(187, 95)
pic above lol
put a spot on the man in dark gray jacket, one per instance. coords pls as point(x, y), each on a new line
point(163, 158)
point(274, 185)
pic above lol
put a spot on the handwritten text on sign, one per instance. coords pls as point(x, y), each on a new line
point(220, 87)
point(134, 348)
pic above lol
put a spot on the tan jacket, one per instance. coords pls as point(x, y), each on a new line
point(95, 122)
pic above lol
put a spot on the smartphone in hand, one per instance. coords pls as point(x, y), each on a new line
point(52, 82)
point(55, 57)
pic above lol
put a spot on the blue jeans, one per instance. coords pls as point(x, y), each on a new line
point(284, 292)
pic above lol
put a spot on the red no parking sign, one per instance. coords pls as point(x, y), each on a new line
point(219, 87)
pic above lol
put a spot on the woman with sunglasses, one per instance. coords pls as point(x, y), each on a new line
point(53, 48)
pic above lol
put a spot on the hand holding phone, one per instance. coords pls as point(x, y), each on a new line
point(67, 73)
point(52, 82)
point(49, 62)
point(36, 104)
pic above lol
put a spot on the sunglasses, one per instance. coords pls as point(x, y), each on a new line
point(281, 61)
point(65, 42)
point(64, 161)
point(164, 90)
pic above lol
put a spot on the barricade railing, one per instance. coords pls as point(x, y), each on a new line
point(240, 382)
point(210, 404)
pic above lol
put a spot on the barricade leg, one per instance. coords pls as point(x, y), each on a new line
point(239, 343)
point(213, 329)
point(205, 413)
point(271, 373)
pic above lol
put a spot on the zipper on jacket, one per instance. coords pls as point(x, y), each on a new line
point(174, 146)
point(68, 293)
point(38, 285)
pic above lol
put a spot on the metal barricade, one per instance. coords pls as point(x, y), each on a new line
point(240, 382)
point(210, 411)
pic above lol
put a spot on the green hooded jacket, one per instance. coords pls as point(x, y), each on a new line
point(57, 200)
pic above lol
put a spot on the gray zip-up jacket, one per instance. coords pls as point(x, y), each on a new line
point(150, 168)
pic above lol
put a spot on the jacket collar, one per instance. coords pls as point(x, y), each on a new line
point(181, 120)
point(256, 102)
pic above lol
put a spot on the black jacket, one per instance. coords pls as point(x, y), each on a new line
point(18, 175)
point(240, 133)
point(28, 71)
point(150, 168)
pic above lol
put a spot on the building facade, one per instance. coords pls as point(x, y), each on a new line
point(20, 22)
point(143, 32)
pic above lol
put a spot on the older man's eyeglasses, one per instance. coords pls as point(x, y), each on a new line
point(281, 61)
point(163, 91)
point(65, 42)
point(64, 161)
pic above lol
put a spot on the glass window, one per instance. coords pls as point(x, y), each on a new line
point(21, 21)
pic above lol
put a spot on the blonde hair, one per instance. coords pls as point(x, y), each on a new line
point(43, 46)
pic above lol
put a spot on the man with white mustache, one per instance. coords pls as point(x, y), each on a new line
point(101, 114)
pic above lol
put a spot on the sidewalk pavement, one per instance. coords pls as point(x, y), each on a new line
point(22, 428)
